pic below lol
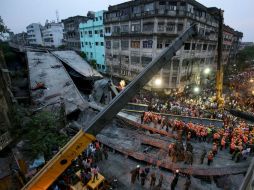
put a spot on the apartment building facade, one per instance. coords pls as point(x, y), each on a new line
point(137, 31)
point(34, 35)
point(92, 39)
point(71, 32)
point(52, 34)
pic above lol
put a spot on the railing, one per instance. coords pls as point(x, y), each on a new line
point(5, 139)
point(248, 182)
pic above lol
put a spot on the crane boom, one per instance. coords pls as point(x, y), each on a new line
point(57, 165)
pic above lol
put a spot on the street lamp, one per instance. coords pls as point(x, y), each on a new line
point(251, 80)
point(196, 89)
point(207, 71)
point(158, 82)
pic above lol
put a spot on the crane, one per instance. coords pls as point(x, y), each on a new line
point(57, 165)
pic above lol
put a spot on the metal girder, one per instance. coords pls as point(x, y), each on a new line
point(97, 124)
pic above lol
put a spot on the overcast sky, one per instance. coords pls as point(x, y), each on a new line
point(17, 14)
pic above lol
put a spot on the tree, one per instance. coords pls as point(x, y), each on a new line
point(3, 27)
point(93, 63)
point(40, 131)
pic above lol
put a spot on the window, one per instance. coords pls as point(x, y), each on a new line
point(81, 34)
point(100, 17)
point(187, 46)
point(115, 44)
point(82, 44)
point(135, 27)
point(205, 47)
point(159, 44)
point(174, 80)
point(85, 32)
point(193, 46)
point(148, 27)
point(167, 43)
point(172, 6)
point(148, 7)
point(90, 33)
point(179, 27)
point(96, 43)
point(102, 44)
point(91, 55)
point(135, 59)
point(96, 31)
point(107, 30)
point(86, 43)
point(161, 26)
point(136, 10)
point(116, 29)
point(135, 44)
point(108, 44)
point(162, 3)
point(148, 44)
point(125, 28)
point(124, 44)
point(170, 27)
point(198, 47)
point(96, 18)
point(145, 60)
point(103, 67)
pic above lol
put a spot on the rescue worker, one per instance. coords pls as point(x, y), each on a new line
point(202, 156)
point(222, 143)
point(160, 182)
point(210, 158)
point(135, 174)
point(142, 177)
point(187, 183)
point(175, 180)
point(153, 180)
point(215, 149)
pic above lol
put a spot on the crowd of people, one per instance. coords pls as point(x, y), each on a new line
point(238, 137)
point(84, 168)
point(144, 175)
point(241, 89)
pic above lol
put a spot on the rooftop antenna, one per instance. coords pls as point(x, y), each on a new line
point(57, 16)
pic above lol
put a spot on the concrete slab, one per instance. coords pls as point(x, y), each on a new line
point(77, 63)
point(45, 68)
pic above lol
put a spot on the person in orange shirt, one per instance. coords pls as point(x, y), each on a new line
point(232, 147)
point(215, 149)
point(209, 158)
point(223, 143)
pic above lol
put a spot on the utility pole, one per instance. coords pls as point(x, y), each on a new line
point(219, 73)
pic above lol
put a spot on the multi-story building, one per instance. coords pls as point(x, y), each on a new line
point(34, 36)
point(71, 31)
point(92, 40)
point(231, 44)
point(137, 31)
point(20, 38)
point(52, 34)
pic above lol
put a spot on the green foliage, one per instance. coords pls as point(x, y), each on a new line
point(61, 47)
point(244, 58)
point(8, 54)
point(3, 27)
point(40, 131)
point(83, 54)
point(247, 54)
point(93, 63)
